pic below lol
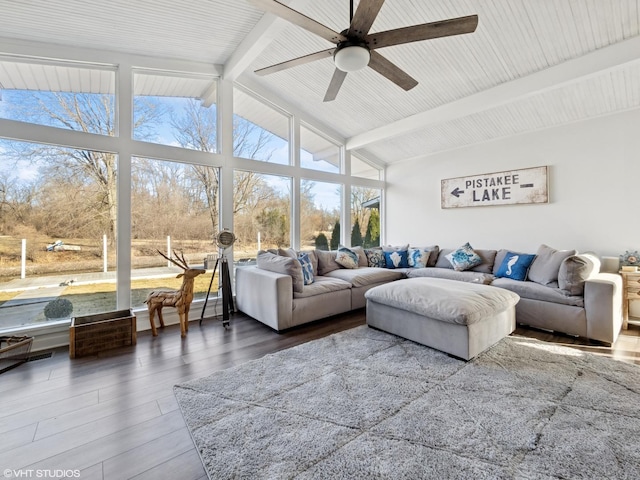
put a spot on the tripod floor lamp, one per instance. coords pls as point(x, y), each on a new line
point(224, 240)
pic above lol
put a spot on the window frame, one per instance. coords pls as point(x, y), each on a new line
point(126, 147)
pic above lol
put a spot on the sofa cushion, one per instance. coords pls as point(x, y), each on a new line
point(287, 252)
point(362, 257)
point(307, 268)
point(444, 300)
point(326, 262)
point(443, 261)
point(544, 269)
point(433, 258)
point(575, 270)
point(347, 258)
point(450, 274)
point(535, 291)
point(515, 266)
point(464, 258)
point(362, 277)
point(395, 248)
point(322, 285)
point(283, 265)
point(313, 257)
point(488, 258)
point(375, 257)
point(396, 259)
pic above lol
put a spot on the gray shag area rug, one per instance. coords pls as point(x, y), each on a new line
point(364, 404)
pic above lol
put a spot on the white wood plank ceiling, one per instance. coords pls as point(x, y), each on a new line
point(529, 65)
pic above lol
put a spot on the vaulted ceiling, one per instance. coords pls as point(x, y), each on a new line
point(530, 64)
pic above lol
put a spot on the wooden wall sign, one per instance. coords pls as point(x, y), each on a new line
point(528, 185)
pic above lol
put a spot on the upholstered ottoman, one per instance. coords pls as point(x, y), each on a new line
point(459, 318)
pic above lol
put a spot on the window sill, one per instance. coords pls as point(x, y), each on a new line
point(55, 333)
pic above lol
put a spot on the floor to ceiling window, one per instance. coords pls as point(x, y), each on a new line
point(105, 169)
point(361, 168)
point(261, 213)
point(320, 207)
point(174, 213)
point(59, 227)
point(365, 216)
point(317, 152)
point(176, 109)
point(58, 205)
point(260, 130)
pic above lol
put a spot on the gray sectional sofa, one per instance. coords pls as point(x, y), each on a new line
point(589, 304)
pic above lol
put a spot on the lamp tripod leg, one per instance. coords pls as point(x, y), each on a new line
point(227, 295)
point(206, 299)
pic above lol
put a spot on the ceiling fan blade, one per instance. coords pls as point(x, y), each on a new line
point(425, 31)
point(295, 62)
point(387, 69)
point(364, 17)
point(334, 86)
point(298, 19)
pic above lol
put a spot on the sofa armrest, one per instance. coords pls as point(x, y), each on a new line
point(603, 306)
point(264, 295)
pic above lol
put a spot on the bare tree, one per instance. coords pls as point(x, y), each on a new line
point(208, 177)
point(250, 140)
point(158, 186)
point(89, 113)
point(249, 191)
point(314, 219)
point(16, 202)
point(196, 129)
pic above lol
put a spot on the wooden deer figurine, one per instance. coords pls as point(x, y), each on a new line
point(180, 299)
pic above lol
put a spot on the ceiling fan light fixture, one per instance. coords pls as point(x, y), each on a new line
point(351, 57)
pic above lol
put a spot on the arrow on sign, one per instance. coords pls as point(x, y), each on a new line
point(457, 192)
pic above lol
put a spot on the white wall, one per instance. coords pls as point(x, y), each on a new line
point(594, 190)
point(594, 186)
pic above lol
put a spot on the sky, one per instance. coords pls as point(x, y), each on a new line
point(325, 194)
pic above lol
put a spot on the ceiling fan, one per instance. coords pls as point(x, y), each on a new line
point(356, 48)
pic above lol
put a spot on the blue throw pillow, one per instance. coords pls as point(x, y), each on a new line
point(419, 257)
point(307, 268)
point(515, 266)
point(464, 258)
point(397, 259)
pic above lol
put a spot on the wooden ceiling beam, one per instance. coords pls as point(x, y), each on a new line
point(265, 31)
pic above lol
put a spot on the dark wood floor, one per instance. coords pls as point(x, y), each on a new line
point(114, 416)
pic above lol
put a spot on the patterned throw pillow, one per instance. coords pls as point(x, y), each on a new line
point(397, 259)
point(347, 258)
point(515, 266)
point(419, 257)
point(307, 268)
point(464, 258)
point(375, 257)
